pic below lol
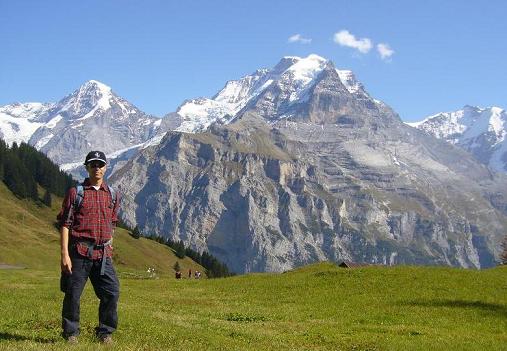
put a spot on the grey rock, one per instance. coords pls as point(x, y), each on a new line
point(480, 131)
point(346, 181)
point(332, 175)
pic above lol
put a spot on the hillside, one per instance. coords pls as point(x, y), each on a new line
point(29, 239)
point(317, 307)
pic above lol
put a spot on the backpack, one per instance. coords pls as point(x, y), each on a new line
point(78, 201)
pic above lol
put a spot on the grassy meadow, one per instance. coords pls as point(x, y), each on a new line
point(317, 307)
point(29, 239)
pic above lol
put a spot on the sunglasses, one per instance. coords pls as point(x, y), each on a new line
point(96, 164)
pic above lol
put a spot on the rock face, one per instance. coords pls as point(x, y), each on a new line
point(92, 117)
point(481, 131)
point(289, 84)
point(312, 168)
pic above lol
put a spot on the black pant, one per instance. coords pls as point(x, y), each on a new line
point(107, 289)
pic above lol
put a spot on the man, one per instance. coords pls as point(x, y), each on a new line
point(88, 218)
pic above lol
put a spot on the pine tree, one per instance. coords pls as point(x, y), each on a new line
point(47, 198)
point(14, 176)
point(180, 249)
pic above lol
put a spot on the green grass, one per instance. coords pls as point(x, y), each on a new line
point(318, 307)
point(28, 238)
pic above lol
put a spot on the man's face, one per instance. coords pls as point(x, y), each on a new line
point(96, 169)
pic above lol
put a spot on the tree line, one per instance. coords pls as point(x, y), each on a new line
point(214, 268)
point(22, 167)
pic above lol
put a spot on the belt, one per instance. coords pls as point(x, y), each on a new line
point(92, 247)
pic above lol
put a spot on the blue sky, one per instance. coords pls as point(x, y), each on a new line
point(445, 54)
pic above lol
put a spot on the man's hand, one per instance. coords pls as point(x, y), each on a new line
point(66, 264)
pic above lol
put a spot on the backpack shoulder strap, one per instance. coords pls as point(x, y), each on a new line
point(113, 195)
point(78, 201)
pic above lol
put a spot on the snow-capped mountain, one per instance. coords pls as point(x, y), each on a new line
point(481, 131)
point(298, 164)
point(92, 117)
point(291, 79)
point(18, 121)
point(303, 165)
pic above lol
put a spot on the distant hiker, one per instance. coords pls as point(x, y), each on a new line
point(178, 275)
point(88, 218)
point(189, 273)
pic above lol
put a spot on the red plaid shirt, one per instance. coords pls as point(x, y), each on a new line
point(95, 220)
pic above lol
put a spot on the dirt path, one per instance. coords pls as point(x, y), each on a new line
point(9, 266)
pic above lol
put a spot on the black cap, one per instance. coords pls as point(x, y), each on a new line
point(95, 156)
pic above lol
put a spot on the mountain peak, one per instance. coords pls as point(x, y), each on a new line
point(481, 131)
point(296, 63)
point(496, 109)
point(311, 57)
point(289, 82)
point(95, 84)
point(94, 87)
point(306, 69)
point(90, 96)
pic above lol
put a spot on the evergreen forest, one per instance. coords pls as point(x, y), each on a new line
point(22, 168)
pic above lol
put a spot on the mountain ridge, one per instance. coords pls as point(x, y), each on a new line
point(339, 176)
point(306, 167)
point(481, 131)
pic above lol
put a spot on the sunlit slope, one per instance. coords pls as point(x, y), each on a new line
point(28, 238)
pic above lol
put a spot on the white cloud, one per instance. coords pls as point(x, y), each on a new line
point(345, 38)
point(385, 51)
point(298, 38)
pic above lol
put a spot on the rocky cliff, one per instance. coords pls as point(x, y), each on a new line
point(480, 131)
point(332, 175)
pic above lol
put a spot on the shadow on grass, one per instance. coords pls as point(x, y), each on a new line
point(491, 308)
point(16, 337)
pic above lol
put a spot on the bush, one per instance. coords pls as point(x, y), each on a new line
point(136, 234)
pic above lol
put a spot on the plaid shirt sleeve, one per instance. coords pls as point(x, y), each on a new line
point(66, 215)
